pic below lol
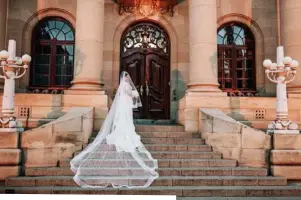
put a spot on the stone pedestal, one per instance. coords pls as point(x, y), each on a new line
point(89, 45)
point(10, 154)
point(290, 36)
point(286, 156)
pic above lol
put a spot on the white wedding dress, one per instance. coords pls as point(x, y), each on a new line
point(117, 157)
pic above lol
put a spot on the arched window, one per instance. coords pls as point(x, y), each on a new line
point(53, 54)
point(236, 58)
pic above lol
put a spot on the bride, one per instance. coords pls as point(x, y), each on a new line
point(117, 157)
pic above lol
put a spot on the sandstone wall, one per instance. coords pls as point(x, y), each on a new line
point(23, 15)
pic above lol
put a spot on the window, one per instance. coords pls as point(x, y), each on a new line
point(53, 54)
point(236, 59)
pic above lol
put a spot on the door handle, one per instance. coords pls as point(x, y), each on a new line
point(141, 90)
point(147, 89)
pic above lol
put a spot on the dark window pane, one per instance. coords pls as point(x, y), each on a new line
point(60, 60)
point(48, 61)
point(250, 73)
point(239, 84)
point(64, 70)
point(62, 80)
point(250, 64)
point(60, 49)
point(41, 80)
point(228, 83)
point(42, 59)
point(46, 49)
point(236, 57)
point(250, 84)
point(41, 69)
point(239, 73)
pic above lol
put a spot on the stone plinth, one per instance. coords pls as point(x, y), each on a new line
point(10, 154)
point(286, 156)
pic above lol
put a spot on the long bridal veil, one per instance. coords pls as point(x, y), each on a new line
point(117, 157)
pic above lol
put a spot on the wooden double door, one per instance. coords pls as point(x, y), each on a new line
point(150, 72)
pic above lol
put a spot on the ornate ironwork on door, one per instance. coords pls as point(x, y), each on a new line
point(236, 59)
point(145, 56)
point(145, 35)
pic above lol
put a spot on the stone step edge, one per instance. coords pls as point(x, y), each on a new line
point(165, 159)
point(173, 145)
point(162, 188)
point(233, 191)
point(173, 168)
point(164, 152)
point(164, 145)
point(159, 178)
point(179, 187)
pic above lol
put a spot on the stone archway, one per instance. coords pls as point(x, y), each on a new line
point(168, 27)
point(29, 27)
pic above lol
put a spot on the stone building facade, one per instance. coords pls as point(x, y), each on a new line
point(203, 54)
point(196, 74)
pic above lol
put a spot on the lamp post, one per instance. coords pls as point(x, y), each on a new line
point(11, 68)
point(281, 73)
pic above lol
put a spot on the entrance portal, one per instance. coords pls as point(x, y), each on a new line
point(145, 55)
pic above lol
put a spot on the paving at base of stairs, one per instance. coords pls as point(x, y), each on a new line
point(188, 168)
point(238, 198)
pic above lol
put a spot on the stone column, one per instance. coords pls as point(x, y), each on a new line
point(3, 17)
point(3, 14)
point(290, 36)
point(203, 46)
point(89, 45)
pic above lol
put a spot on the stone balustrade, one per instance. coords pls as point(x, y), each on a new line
point(47, 144)
point(250, 147)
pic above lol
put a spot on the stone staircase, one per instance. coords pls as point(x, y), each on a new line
point(187, 167)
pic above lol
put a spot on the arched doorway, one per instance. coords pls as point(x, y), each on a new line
point(145, 55)
point(236, 58)
point(53, 54)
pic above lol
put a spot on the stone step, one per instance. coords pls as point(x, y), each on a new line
point(161, 181)
point(161, 134)
point(167, 141)
point(159, 128)
point(169, 135)
point(200, 171)
point(179, 191)
point(165, 163)
point(155, 147)
point(158, 155)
